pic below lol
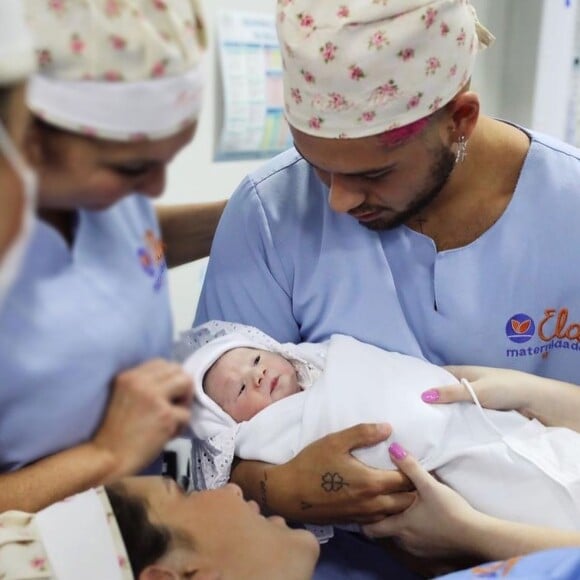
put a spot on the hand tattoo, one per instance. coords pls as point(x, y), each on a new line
point(333, 482)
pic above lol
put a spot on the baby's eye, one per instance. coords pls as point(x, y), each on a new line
point(257, 360)
point(242, 390)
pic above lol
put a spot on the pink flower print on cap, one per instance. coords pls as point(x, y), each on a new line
point(160, 4)
point(367, 116)
point(38, 564)
point(433, 65)
point(112, 8)
point(452, 71)
point(461, 38)
point(356, 73)
point(315, 122)
point(328, 52)
point(58, 6)
point(308, 76)
point(343, 12)
point(406, 54)
point(384, 93)
point(77, 44)
point(44, 57)
point(306, 20)
point(113, 76)
point(414, 101)
point(159, 69)
point(378, 40)
point(337, 102)
point(429, 17)
point(296, 95)
point(118, 42)
point(436, 104)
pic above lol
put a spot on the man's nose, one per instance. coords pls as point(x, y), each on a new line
point(343, 196)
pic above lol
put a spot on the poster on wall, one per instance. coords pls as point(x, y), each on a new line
point(253, 123)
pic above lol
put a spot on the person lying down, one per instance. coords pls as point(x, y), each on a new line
point(257, 399)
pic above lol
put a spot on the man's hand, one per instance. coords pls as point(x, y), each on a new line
point(324, 483)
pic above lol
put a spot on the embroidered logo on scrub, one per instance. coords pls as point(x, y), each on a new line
point(520, 328)
point(555, 331)
point(152, 259)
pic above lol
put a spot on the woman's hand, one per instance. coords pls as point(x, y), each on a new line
point(324, 483)
point(149, 405)
point(501, 389)
point(439, 523)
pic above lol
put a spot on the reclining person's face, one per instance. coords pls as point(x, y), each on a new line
point(217, 534)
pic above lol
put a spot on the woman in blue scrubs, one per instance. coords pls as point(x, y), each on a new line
point(87, 391)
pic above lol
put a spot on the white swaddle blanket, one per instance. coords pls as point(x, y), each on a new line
point(501, 462)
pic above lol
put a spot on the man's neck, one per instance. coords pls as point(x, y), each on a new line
point(479, 189)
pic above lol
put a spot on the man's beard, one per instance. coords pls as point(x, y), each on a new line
point(440, 172)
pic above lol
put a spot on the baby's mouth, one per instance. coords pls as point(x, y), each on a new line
point(273, 384)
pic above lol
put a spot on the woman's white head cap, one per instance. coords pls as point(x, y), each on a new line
point(75, 538)
point(17, 59)
point(356, 68)
point(118, 69)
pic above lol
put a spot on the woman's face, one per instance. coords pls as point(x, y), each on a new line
point(76, 171)
point(228, 536)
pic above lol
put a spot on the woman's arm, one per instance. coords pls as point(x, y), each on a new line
point(324, 483)
point(552, 402)
point(440, 523)
point(187, 230)
point(148, 406)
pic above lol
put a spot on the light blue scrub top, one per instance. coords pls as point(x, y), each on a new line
point(283, 261)
point(73, 321)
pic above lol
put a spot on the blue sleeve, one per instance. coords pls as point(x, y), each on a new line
point(246, 281)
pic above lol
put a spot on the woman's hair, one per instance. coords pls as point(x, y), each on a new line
point(145, 542)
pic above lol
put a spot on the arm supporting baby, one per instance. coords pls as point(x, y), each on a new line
point(440, 522)
point(324, 483)
point(554, 403)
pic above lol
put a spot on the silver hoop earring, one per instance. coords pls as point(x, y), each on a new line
point(461, 150)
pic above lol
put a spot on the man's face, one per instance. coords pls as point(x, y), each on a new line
point(246, 380)
point(380, 187)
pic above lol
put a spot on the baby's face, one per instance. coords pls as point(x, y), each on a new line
point(246, 380)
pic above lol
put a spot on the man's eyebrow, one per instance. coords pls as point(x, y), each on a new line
point(365, 173)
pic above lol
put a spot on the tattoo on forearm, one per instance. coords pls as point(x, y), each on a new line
point(264, 493)
point(333, 482)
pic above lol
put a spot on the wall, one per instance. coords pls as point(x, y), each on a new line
point(523, 77)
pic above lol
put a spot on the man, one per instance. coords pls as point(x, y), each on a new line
point(404, 218)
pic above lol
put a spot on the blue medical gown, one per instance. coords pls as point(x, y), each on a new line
point(75, 319)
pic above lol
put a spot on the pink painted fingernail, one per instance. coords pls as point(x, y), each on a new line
point(430, 396)
point(397, 451)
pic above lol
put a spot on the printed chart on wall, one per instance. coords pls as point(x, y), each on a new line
point(253, 124)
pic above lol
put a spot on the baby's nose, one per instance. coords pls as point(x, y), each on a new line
point(260, 376)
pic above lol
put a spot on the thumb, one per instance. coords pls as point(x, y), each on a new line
point(406, 463)
point(446, 394)
point(362, 435)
